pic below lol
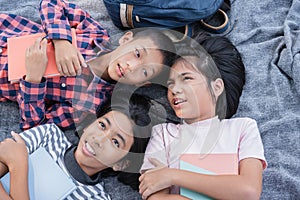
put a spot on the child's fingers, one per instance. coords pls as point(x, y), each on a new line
point(142, 188)
point(43, 44)
point(17, 137)
point(77, 67)
point(81, 59)
point(156, 162)
point(141, 178)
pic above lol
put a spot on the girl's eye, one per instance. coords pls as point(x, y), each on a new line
point(116, 143)
point(137, 53)
point(145, 72)
point(102, 125)
point(187, 78)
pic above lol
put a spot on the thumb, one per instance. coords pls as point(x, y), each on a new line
point(17, 137)
point(43, 44)
point(156, 162)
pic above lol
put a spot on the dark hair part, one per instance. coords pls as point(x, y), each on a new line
point(230, 64)
point(137, 110)
point(164, 45)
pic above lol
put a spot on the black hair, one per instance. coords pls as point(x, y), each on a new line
point(136, 108)
point(230, 64)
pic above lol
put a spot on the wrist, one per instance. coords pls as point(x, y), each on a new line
point(174, 176)
point(19, 166)
point(32, 79)
point(59, 41)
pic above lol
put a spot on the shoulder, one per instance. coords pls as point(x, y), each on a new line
point(165, 128)
point(239, 122)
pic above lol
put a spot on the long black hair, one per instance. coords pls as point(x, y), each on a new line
point(230, 64)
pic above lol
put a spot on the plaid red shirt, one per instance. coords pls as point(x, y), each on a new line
point(55, 99)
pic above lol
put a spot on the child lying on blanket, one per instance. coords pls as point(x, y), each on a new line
point(105, 143)
point(197, 95)
point(84, 85)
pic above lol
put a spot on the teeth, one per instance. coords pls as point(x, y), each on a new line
point(121, 70)
point(178, 101)
point(89, 148)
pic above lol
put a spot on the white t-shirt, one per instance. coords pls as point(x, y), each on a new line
point(231, 136)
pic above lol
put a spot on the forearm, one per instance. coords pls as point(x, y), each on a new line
point(31, 103)
point(53, 19)
point(19, 182)
point(58, 17)
point(164, 194)
point(246, 185)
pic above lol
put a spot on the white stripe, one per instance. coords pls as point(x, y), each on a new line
point(123, 16)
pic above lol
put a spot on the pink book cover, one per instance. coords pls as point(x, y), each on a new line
point(16, 48)
point(214, 164)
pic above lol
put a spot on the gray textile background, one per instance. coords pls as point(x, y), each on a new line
point(267, 33)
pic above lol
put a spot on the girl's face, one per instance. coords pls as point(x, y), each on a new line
point(105, 142)
point(188, 93)
point(135, 61)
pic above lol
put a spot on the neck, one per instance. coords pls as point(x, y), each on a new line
point(202, 118)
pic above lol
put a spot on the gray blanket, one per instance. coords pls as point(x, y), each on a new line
point(267, 33)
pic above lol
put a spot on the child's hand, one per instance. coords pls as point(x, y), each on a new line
point(68, 58)
point(36, 61)
point(13, 152)
point(3, 194)
point(155, 179)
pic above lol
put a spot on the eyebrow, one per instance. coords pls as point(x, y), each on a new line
point(153, 71)
point(119, 135)
point(144, 49)
point(181, 75)
point(107, 120)
point(122, 138)
point(185, 73)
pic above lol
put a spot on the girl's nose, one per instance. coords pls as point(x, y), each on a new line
point(100, 140)
point(175, 88)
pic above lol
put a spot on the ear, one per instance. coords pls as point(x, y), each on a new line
point(218, 87)
point(128, 36)
point(119, 166)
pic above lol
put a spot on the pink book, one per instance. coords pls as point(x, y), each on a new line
point(16, 48)
point(214, 164)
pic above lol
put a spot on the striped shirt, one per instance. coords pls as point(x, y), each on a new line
point(56, 99)
point(54, 141)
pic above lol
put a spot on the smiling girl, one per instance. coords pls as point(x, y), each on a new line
point(107, 142)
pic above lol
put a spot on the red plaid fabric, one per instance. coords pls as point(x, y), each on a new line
point(55, 100)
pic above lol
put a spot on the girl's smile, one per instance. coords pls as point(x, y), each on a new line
point(105, 142)
point(120, 71)
point(88, 150)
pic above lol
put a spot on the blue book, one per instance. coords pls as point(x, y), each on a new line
point(46, 180)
